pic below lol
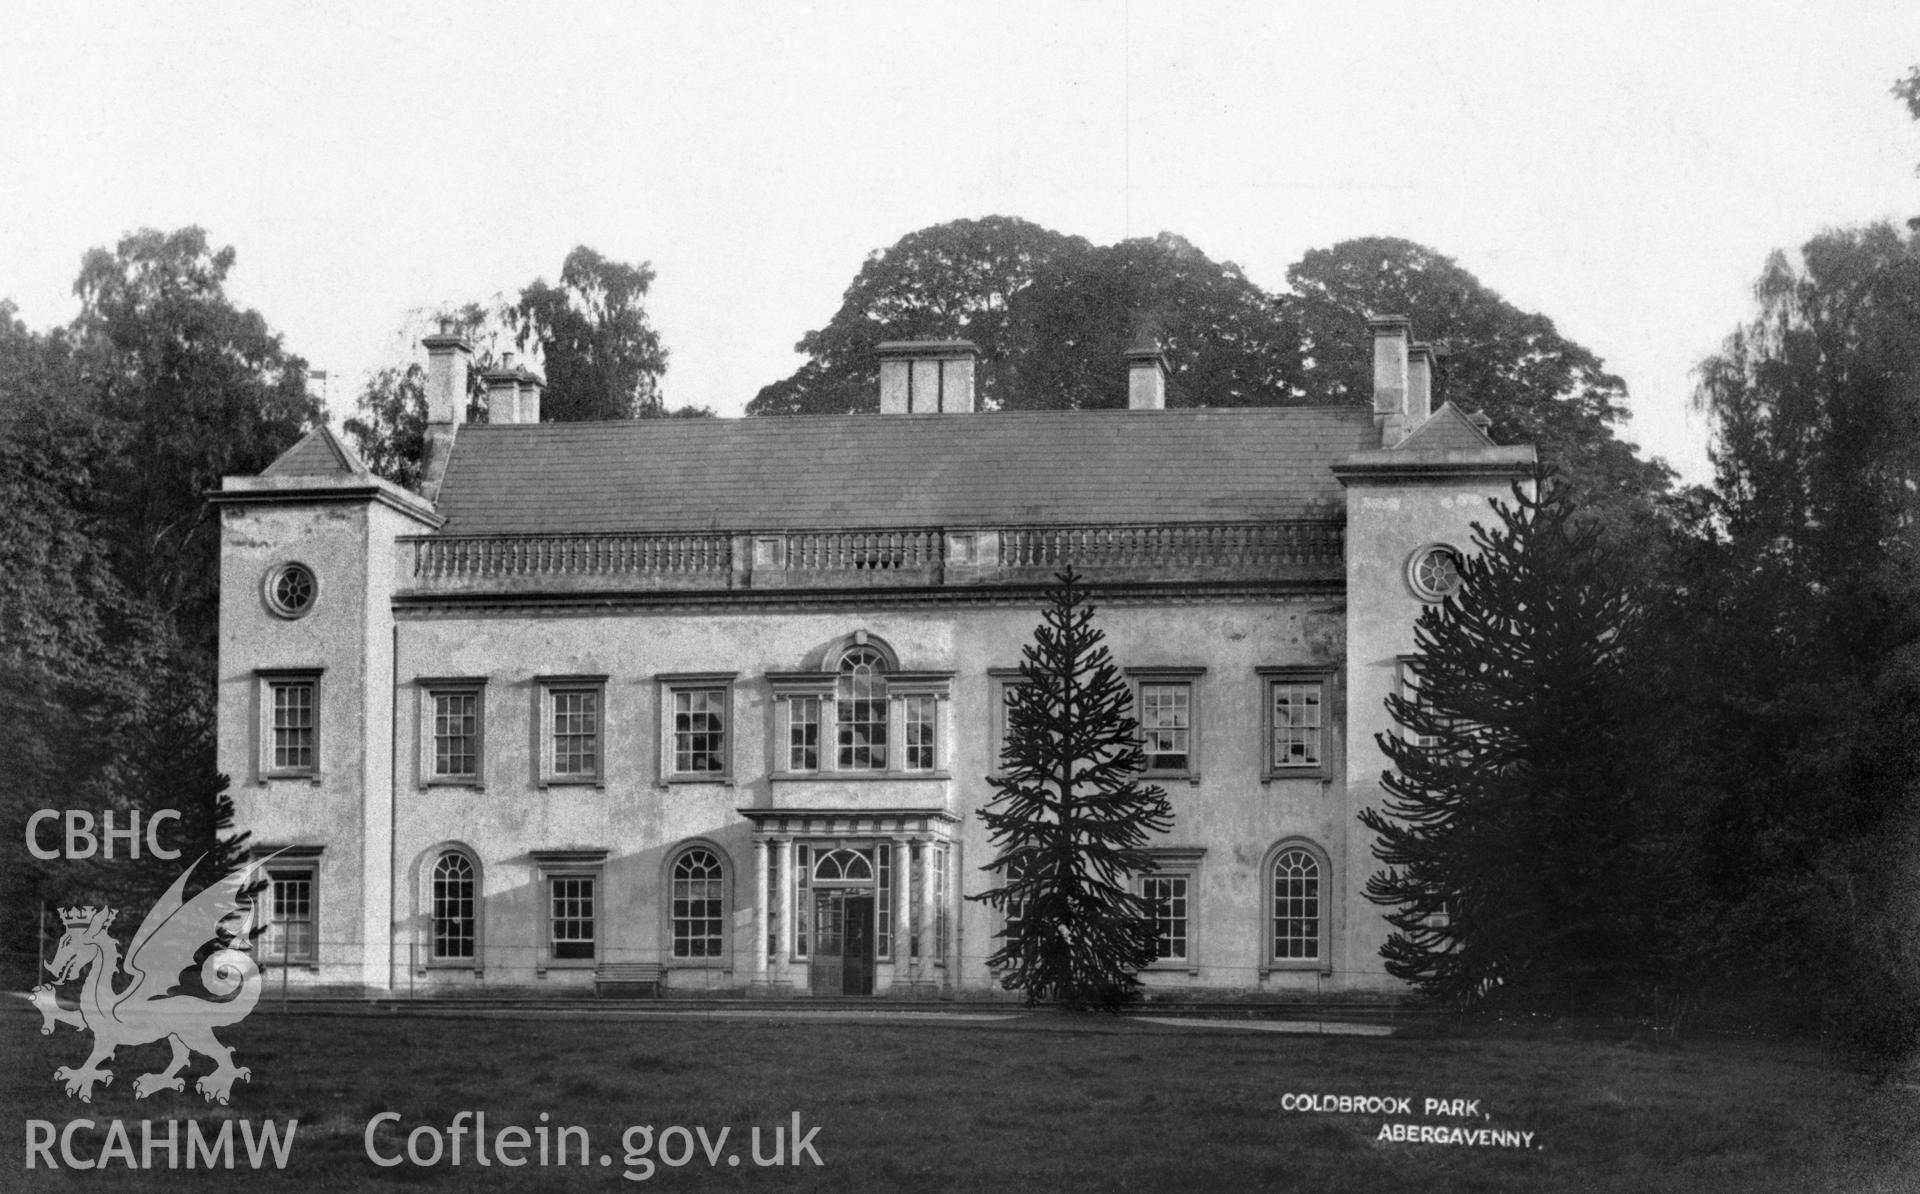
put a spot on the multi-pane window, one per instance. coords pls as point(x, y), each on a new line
point(454, 921)
point(1015, 908)
point(860, 712)
point(1166, 897)
point(699, 905)
point(883, 901)
point(290, 932)
point(699, 730)
point(803, 733)
point(773, 903)
point(570, 906)
point(918, 717)
point(456, 735)
point(803, 897)
point(295, 721)
point(1410, 692)
point(576, 732)
point(1296, 724)
point(1296, 905)
point(1166, 721)
point(939, 864)
point(916, 858)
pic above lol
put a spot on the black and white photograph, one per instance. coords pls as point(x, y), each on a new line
point(1068, 596)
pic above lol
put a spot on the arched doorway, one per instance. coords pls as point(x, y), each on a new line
point(843, 938)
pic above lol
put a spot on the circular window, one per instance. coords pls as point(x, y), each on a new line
point(290, 590)
point(1433, 572)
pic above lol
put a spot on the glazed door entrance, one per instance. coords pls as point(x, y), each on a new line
point(842, 961)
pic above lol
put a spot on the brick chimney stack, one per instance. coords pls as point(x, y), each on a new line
point(1390, 377)
point(1146, 377)
point(919, 377)
point(448, 358)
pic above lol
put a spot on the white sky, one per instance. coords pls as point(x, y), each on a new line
point(1622, 168)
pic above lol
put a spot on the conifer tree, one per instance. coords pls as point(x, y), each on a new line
point(1069, 817)
point(1517, 868)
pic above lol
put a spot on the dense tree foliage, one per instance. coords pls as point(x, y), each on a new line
point(1516, 854)
point(1068, 818)
point(112, 431)
point(1799, 623)
point(602, 357)
point(1514, 366)
point(1052, 316)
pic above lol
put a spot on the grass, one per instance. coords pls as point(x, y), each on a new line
point(1041, 1102)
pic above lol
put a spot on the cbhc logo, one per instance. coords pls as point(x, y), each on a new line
point(82, 842)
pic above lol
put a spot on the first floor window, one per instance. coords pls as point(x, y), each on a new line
point(860, 711)
point(1165, 722)
point(699, 905)
point(1166, 897)
point(699, 731)
point(803, 733)
point(1296, 905)
point(918, 714)
point(571, 916)
point(454, 920)
point(456, 735)
point(576, 732)
point(294, 724)
point(290, 909)
point(1295, 721)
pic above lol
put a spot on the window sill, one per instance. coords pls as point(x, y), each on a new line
point(859, 776)
point(569, 964)
point(699, 964)
point(1320, 773)
point(1175, 966)
point(711, 779)
point(290, 777)
point(551, 782)
point(1295, 966)
point(448, 782)
point(1191, 777)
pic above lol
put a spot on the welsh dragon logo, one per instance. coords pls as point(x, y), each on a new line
point(146, 1009)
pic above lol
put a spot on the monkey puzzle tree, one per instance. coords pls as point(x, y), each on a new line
point(1518, 865)
point(1069, 817)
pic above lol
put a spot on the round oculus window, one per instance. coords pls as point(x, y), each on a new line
point(290, 590)
point(1433, 573)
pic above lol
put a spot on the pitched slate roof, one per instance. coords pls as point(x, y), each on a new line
point(319, 453)
point(852, 471)
point(1447, 428)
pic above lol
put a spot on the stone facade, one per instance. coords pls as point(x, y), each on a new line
point(508, 738)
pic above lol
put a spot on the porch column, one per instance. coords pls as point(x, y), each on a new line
point(928, 944)
point(760, 913)
point(902, 914)
point(784, 954)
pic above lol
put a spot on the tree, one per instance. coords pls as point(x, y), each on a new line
point(1513, 847)
point(1537, 386)
point(1052, 315)
point(958, 280)
point(1804, 638)
point(1069, 817)
point(185, 388)
point(603, 358)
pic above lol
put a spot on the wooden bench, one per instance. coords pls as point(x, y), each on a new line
point(629, 980)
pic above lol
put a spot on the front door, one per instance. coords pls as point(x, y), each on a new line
point(842, 958)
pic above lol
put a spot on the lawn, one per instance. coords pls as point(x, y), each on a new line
point(1036, 1102)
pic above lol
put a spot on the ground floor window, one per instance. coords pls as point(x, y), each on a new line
point(454, 920)
point(699, 905)
point(1166, 897)
point(1297, 905)
point(571, 909)
point(290, 899)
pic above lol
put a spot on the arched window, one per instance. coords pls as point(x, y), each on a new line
point(1297, 908)
point(454, 923)
point(861, 711)
point(699, 905)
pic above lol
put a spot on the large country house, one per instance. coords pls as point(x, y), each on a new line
point(711, 703)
